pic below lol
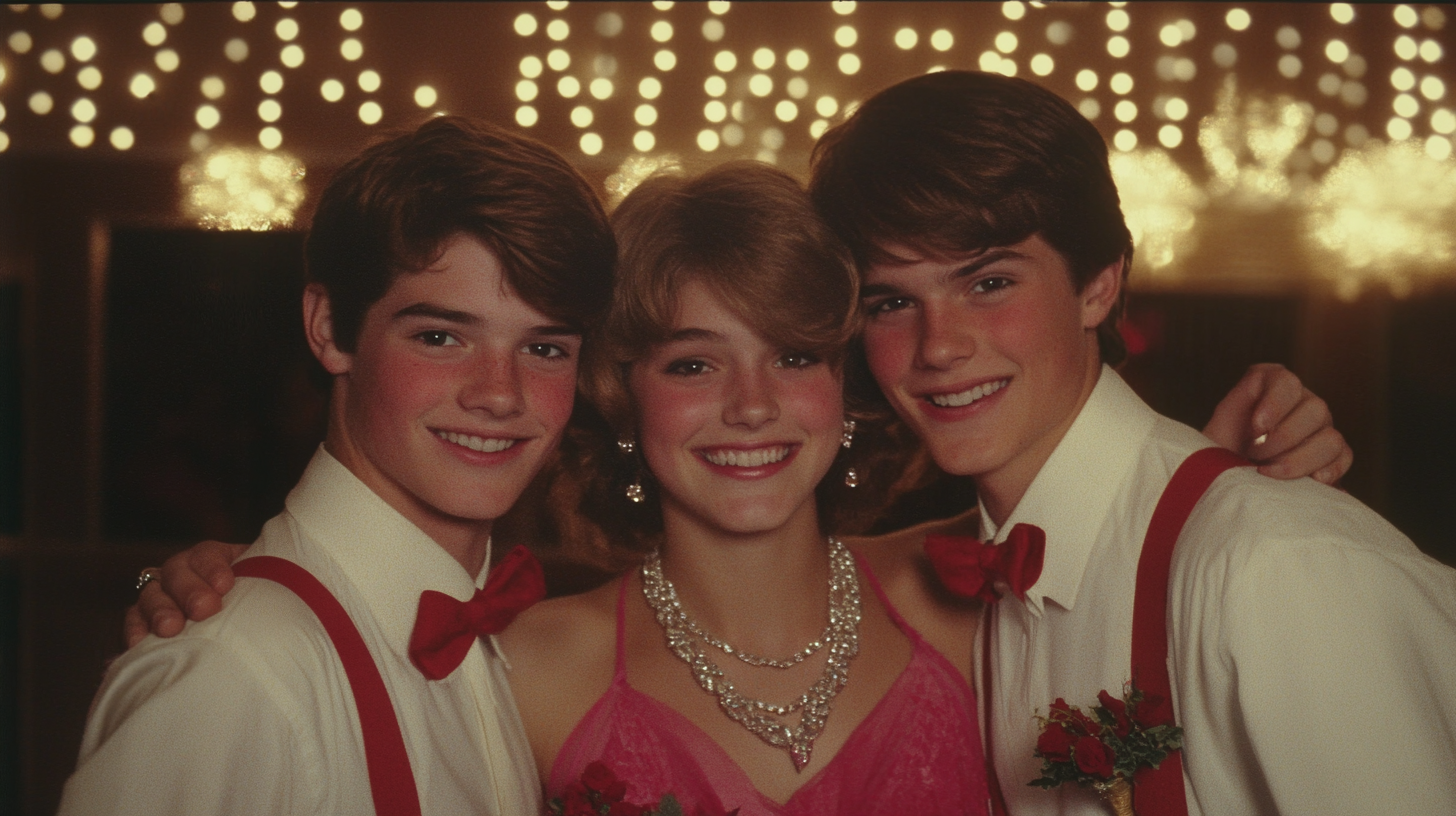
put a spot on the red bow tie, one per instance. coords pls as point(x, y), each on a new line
point(445, 627)
point(969, 568)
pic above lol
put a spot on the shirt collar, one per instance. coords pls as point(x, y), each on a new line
point(1072, 495)
point(389, 560)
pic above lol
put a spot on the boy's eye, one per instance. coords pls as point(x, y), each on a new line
point(437, 338)
point(991, 284)
point(887, 305)
point(687, 368)
point(797, 359)
point(547, 350)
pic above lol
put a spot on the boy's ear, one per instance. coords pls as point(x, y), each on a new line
point(318, 325)
point(1100, 294)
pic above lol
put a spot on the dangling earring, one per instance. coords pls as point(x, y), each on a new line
point(851, 478)
point(635, 493)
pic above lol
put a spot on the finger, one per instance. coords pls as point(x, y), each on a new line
point(1305, 420)
point(189, 591)
point(1280, 393)
point(1323, 455)
point(212, 562)
point(157, 612)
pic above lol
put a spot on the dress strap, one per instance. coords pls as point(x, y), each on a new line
point(391, 780)
point(894, 613)
point(620, 670)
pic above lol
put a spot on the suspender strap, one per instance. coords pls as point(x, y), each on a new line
point(993, 783)
point(1160, 792)
point(391, 780)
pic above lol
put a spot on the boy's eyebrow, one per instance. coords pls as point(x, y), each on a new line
point(556, 331)
point(989, 256)
point(691, 334)
point(432, 310)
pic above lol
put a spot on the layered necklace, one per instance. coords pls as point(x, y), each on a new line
point(686, 638)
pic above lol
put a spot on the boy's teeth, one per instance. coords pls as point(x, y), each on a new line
point(750, 458)
point(968, 397)
point(476, 443)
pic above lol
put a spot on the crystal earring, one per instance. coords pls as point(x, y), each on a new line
point(847, 437)
point(635, 494)
point(626, 445)
point(851, 478)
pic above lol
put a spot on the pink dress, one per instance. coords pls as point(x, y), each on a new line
point(918, 751)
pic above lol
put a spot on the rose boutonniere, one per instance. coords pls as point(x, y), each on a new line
point(600, 793)
point(1106, 750)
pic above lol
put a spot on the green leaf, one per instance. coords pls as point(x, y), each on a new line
point(668, 806)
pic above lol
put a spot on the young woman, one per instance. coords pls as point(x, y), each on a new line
point(754, 661)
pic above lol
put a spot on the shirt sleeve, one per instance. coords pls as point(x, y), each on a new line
point(1342, 656)
point(184, 727)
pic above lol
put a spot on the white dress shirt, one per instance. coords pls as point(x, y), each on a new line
point(1312, 647)
point(250, 711)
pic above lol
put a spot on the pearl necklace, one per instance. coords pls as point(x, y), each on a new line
point(841, 636)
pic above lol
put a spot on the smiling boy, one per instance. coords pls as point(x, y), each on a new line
point(1311, 647)
point(451, 273)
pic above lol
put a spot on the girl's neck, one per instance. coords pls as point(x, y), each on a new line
point(762, 591)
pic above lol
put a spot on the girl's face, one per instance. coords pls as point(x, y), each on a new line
point(737, 431)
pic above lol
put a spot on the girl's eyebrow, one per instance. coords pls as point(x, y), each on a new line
point(692, 334)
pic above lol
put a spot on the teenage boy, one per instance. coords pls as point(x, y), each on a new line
point(1311, 646)
point(451, 273)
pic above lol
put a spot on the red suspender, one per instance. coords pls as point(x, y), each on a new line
point(391, 780)
point(1160, 792)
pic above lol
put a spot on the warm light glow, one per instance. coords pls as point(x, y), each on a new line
point(1125, 110)
point(1431, 51)
point(1171, 35)
point(83, 110)
point(1118, 47)
point(1443, 121)
point(1160, 203)
point(526, 116)
point(1118, 19)
point(715, 86)
point(20, 42)
point(1086, 79)
point(760, 85)
point(269, 110)
point(906, 38)
point(1170, 136)
point(1398, 129)
point(1406, 17)
point(1042, 64)
point(1013, 10)
point(601, 88)
point(558, 59)
point(286, 29)
point(236, 50)
point(826, 106)
point(1237, 19)
point(643, 140)
point(142, 86)
point(122, 138)
point(351, 19)
point(725, 61)
point(718, 6)
point(369, 81)
point(41, 103)
point(797, 59)
point(531, 67)
point(1287, 37)
point(842, 6)
point(1006, 42)
point(1342, 13)
point(845, 36)
point(1176, 109)
point(243, 11)
point(526, 90)
point(154, 34)
point(88, 77)
point(237, 189)
point(942, 40)
point(635, 170)
point(172, 13)
point(664, 60)
point(351, 49)
point(1336, 51)
point(763, 59)
point(207, 117)
point(786, 111)
point(1406, 105)
point(708, 140)
point(53, 61)
point(271, 82)
point(1125, 140)
point(1438, 148)
point(426, 96)
point(581, 116)
point(167, 60)
point(1225, 55)
point(558, 30)
point(291, 56)
point(1248, 146)
point(332, 90)
point(798, 87)
point(83, 48)
point(567, 87)
point(645, 115)
point(1433, 88)
point(1384, 214)
point(370, 113)
point(82, 136)
point(1290, 66)
point(1406, 48)
point(1121, 83)
point(525, 24)
point(848, 64)
point(661, 31)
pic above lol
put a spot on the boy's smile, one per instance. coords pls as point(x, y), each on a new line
point(988, 357)
point(454, 396)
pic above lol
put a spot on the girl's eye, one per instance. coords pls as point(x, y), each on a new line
point(547, 350)
point(437, 338)
point(687, 368)
point(797, 359)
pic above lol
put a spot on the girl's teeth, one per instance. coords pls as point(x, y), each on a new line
point(968, 397)
point(753, 458)
point(476, 443)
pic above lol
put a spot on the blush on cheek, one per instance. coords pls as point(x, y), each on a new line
point(551, 397)
point(890, 353)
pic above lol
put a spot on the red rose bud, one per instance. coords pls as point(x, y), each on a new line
point(1093, 757)
point(598, 777)
point(577, 801)
point(626, 809)
point(1085, 724)
point(1055, 743)
point(1118, 709)
point(1153, 710)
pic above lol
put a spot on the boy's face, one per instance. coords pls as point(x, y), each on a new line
point(456, 393)
point(988, 357)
